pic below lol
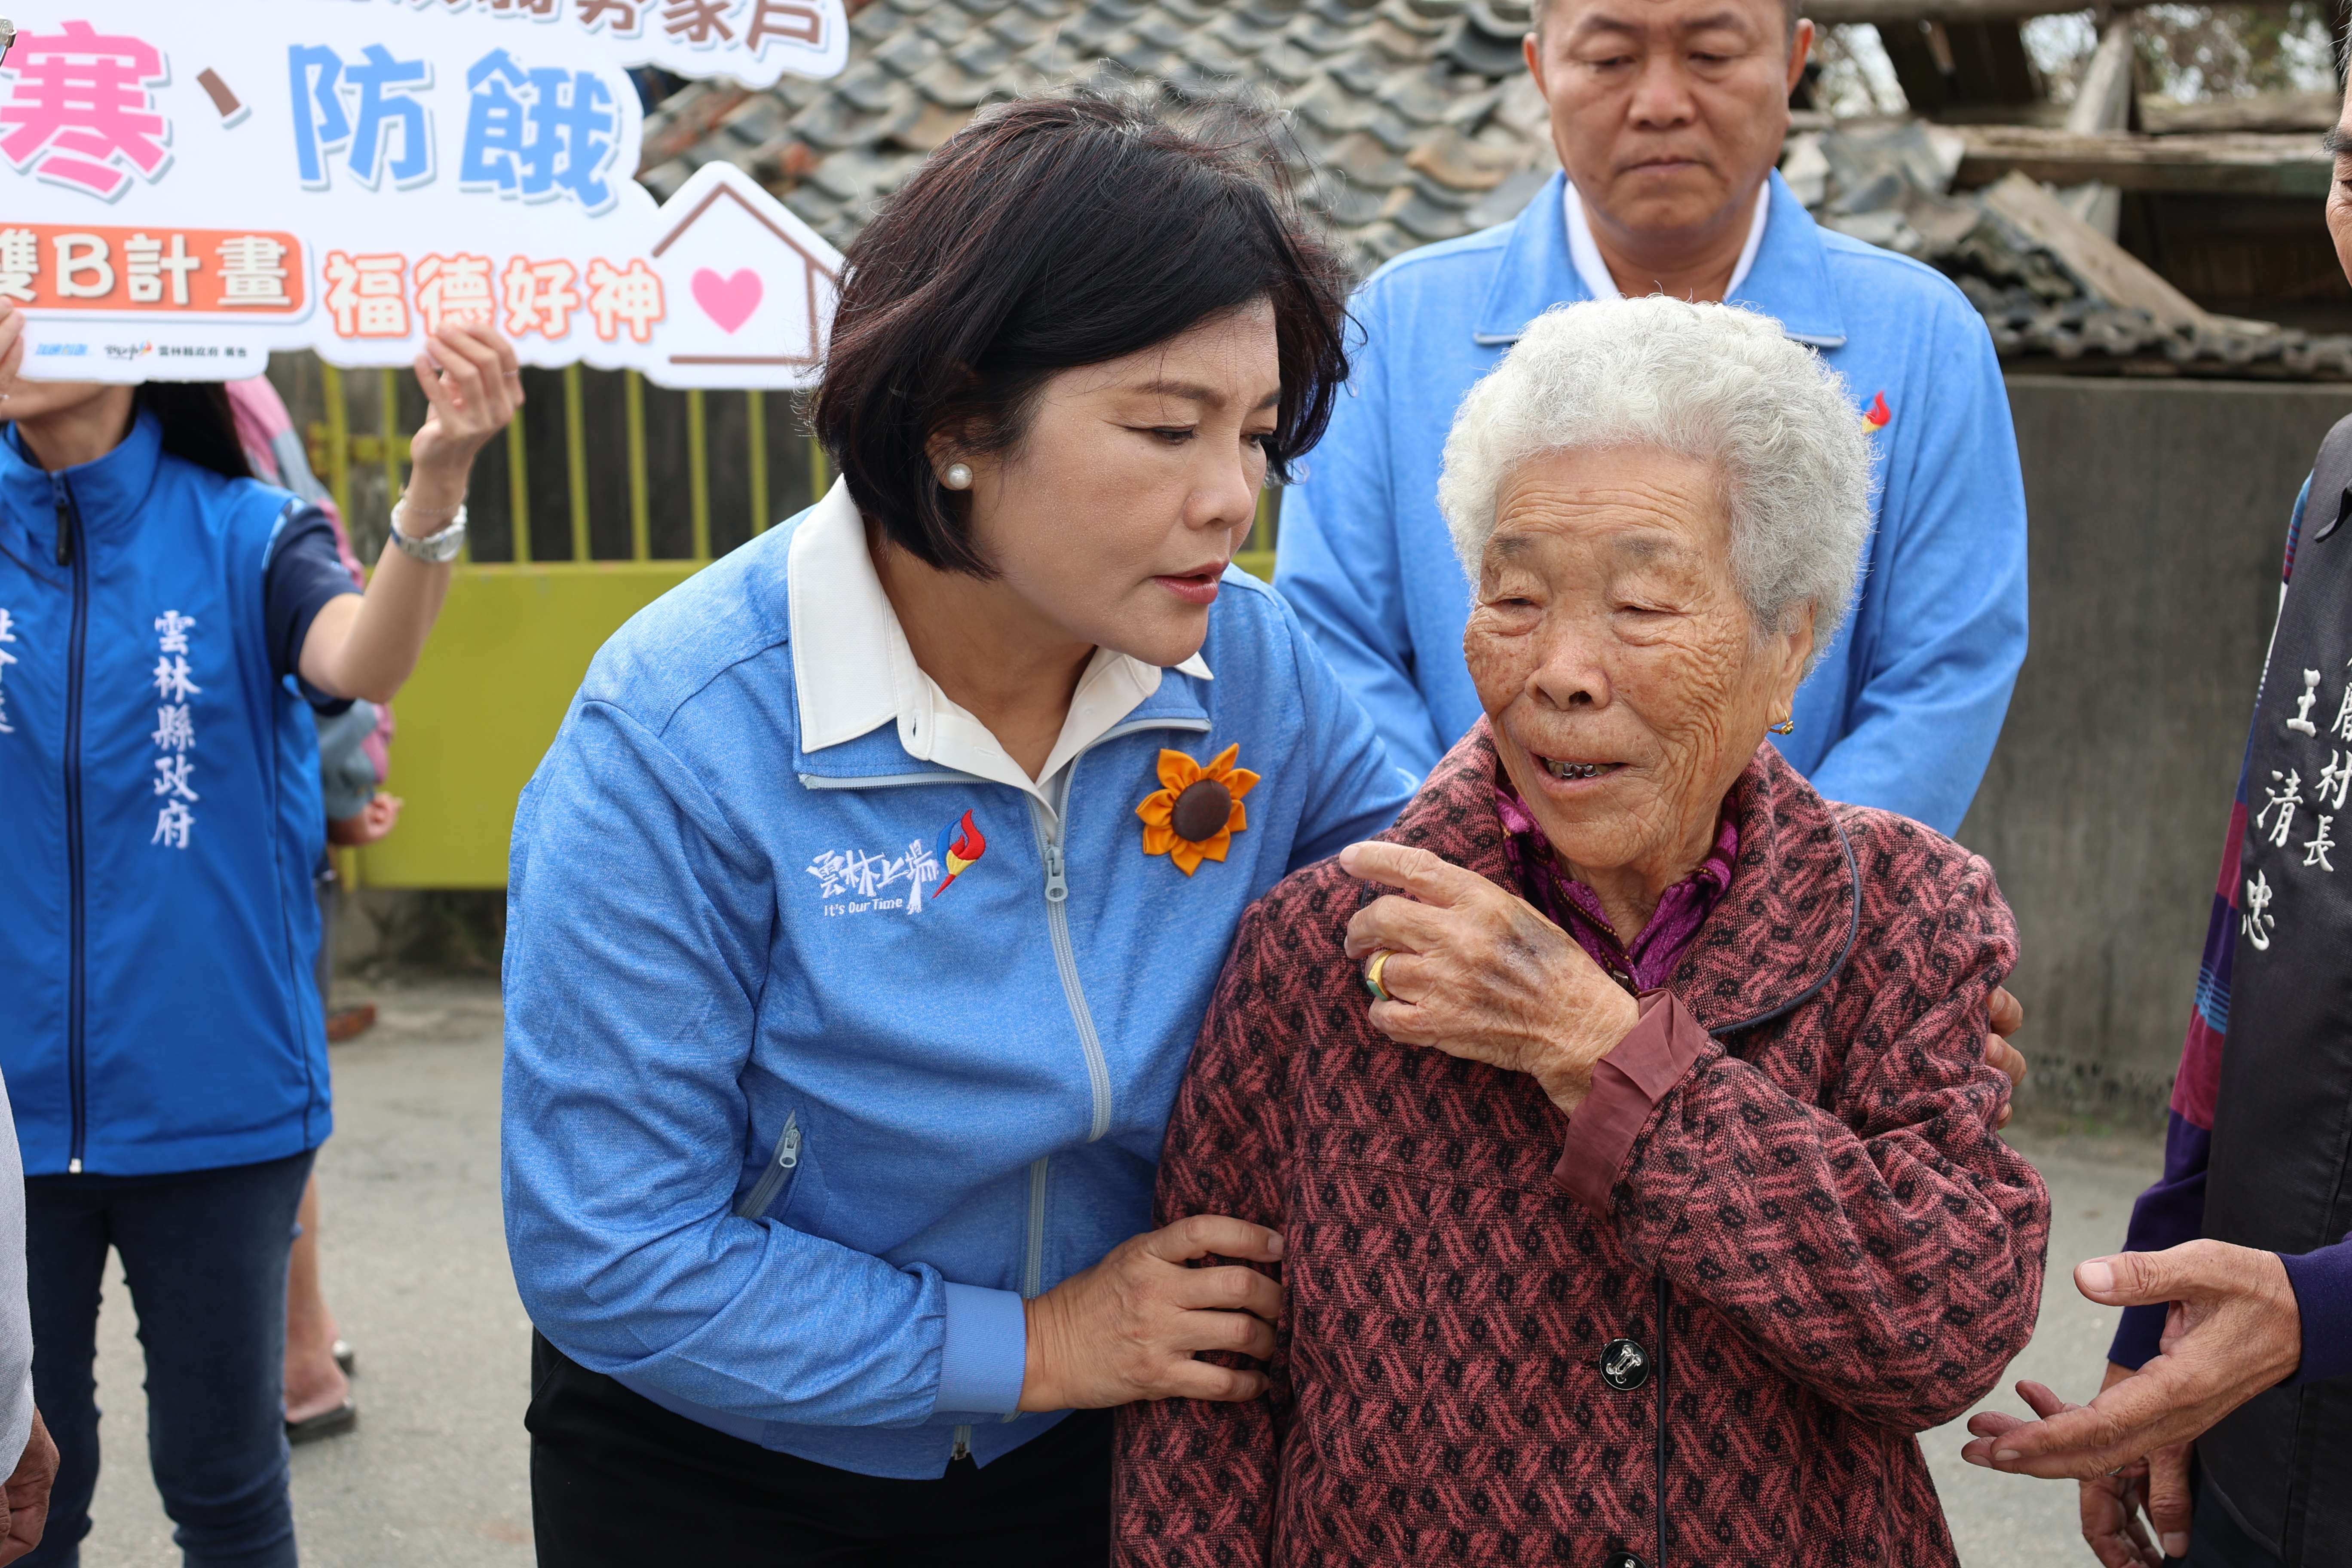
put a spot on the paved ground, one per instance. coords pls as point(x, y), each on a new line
point(415, 1266)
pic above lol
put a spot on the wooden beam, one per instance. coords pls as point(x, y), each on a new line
point(2105, 267)
point(2104, 101)
point(2239, 165)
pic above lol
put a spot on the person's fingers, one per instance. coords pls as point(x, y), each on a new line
point(1229, 1290)
point(428, 381)
point(1409, 1024)
point(1398, 925)
point(2109, 1530)
point(2041, 1398)
point(2008, 1016)
point(501, 385)
point(466, 366)
point(2124, 1423)
point(2139, 1279)
point(1207, 1380)
point(2168, 1508)
point(501, 348)
point(1993, 1423)
point(1202, 1235)
point(12, 345)
point(2006, 1059)
point(1426, 877)
point(1238, 1333)
point(1406, 976)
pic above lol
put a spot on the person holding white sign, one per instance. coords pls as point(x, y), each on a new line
point(168, 625)
point(864, 912)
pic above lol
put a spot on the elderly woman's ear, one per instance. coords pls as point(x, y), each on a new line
point(1794, 645)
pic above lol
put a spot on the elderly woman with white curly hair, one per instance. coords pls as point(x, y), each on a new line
point(1635, 1157)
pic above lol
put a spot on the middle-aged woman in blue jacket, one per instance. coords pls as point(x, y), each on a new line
point(863, 915)
point(167, 625)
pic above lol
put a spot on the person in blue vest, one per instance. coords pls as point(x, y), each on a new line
point(168, 625)
point(863, 915)
point(1668, 117)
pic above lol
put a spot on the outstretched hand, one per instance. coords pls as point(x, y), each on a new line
point(1479, 973)
point(2234, 1330)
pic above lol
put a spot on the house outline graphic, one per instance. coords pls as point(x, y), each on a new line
point(812, 267)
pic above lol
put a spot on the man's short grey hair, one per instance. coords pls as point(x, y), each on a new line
point(1710, 381)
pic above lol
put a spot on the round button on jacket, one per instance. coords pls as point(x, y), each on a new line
point(1624, 1365)
point(1623, 1560)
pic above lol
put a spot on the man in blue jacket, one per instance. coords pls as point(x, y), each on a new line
point(1668, 116)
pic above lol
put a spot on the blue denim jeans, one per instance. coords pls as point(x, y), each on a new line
point(204, 1255)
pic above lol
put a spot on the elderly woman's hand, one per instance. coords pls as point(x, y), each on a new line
point(1479, 973)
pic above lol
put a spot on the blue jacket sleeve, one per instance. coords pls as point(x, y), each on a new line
point(1949, 578)
point(1358, 790)
point(637, 951)
point(1335, 561)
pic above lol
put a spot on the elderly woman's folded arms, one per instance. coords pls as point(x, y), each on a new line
point(1650, 1201)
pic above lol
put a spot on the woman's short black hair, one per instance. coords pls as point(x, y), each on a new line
point(1050, 233)
point(198, 424)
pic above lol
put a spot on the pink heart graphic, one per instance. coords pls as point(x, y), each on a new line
point(729, 301)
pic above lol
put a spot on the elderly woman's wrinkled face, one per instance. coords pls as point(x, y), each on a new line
point(1626, 679)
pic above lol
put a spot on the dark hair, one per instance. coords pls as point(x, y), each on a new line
point(1052, 233)
point(198, 424)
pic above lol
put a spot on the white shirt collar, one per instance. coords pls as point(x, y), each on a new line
point(853, 670)
point(1586, 253)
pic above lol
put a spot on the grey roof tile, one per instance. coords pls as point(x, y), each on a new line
point(1415, 118)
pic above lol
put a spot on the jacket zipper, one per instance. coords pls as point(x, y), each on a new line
point(780, 1171)
point(1663, 1362)
point(71, 553)
point(1049, 823)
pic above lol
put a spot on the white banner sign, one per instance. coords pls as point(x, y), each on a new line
point(187, 186)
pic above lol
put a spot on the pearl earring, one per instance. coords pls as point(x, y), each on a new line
point(957, 477)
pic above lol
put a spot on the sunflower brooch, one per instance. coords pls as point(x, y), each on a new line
point(1195, 814)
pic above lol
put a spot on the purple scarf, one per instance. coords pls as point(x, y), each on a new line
point(1650, 959)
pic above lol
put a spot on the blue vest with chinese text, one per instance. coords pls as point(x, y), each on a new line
point(157, 923)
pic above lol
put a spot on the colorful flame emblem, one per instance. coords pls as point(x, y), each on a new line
point(1877, 417)
point(961, 847)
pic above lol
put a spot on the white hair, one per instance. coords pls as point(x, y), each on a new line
point(1709, 381)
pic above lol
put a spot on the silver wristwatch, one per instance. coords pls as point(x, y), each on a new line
point(438, 549)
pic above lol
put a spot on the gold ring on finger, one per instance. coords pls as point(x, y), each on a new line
point(1372, 968)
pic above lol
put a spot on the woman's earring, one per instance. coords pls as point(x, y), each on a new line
point(957, 477)
point(1785, 727)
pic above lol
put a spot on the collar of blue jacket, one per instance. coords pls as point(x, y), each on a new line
point(109, 492)
point(1900, 712)
point(825, 1047)
point(855, 674)
point(1789, 281)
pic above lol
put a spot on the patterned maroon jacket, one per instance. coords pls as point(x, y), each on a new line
point(1841, 1251)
